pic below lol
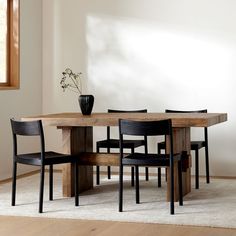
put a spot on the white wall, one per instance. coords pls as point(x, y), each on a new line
point(153, 54)
point(28, 99)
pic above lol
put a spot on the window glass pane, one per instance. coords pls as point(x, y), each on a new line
point(3, 42)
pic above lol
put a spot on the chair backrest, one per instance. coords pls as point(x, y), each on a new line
point(192, 111)
point(27, 128)
point(127, 111)
point(122, 111)
point(179, 111)
point(146, 128)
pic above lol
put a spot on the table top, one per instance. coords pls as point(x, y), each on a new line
point(111, 119)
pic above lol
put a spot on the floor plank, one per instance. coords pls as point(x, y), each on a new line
point(27, 226)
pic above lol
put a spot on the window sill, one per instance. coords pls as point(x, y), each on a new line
point(9, 87)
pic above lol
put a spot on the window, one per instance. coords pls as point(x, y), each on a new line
point(9, 44)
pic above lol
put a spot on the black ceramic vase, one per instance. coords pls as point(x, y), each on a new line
point(86, 104)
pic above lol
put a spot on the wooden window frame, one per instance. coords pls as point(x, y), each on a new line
point(13, 46)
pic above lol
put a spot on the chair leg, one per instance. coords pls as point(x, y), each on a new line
point(108, 168)
point(41, 189)
point(172, 206)
point(50, 182)
point(159, 169)
point(166, 174)
point(132, 176)
point(137, 184)
point(159, 176)
point(13, 196)
point(76, 184)
point(97, 170)
point(109, 172)
point(196, 169)
point(207, 164)
point(97, 175)
point(132, 170)
point(180, 183)
point(121, 189)
point(146, 173)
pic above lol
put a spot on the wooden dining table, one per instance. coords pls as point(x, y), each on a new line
point(77, 139)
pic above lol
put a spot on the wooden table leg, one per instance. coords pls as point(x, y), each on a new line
point(181, 139)
point(76, 140)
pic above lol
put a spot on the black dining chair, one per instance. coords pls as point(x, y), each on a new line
point(195, 146)
point(111, 143)
point(136, 159)
point(41, 159)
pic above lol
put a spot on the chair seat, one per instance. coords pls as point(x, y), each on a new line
point(197, 145)
point(50, 158)
point(162, 145)
point(114, 143)
point(142, 159)
point(194, 145)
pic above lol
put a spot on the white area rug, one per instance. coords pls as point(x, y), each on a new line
point(213, 204)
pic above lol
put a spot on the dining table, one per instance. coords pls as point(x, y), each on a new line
point(77, 139)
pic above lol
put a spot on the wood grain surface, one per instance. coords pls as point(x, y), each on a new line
point(111, 119)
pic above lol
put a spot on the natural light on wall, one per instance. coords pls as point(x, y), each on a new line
point(3, 35)
point(133, 57)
